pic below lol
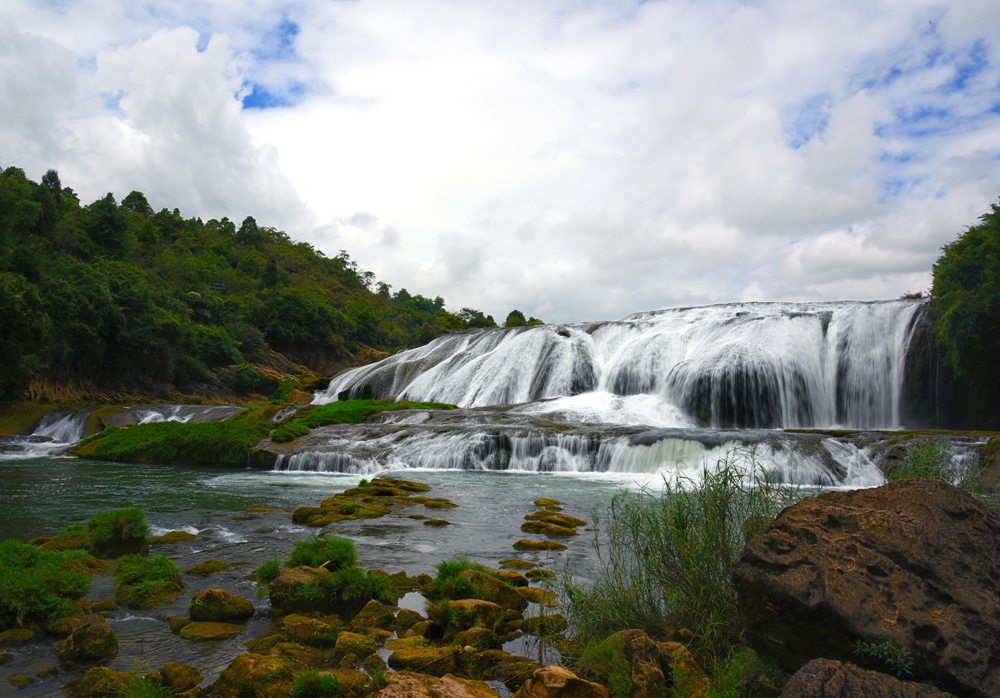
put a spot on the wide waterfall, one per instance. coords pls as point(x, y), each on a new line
point(740, 365)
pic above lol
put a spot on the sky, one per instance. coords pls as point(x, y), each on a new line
point(575, 159)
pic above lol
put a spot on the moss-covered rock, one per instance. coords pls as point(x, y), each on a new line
point(539, 596)
point(257, 676)
point(172, 537)
point(510, 578)
point(17, 636)
point(353, 643)
point(437, 523)
point(478, 638)
point(374, 615)
point(546, 502)
point(91, 639)
point(517, 565)
point(209, 567)
point(547, 529)
point(6, 658)
point(67, 540)
point(178, 677)
point(309, 631)
point(437, 661)
point(555, 518)
point(21, 680)
point(406, 619)
point(492, 589)
point(47, 672)
point(538, 545)
point(204, 631)
point(216, 605)
point(104, 606)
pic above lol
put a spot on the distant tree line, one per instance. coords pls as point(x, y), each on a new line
point(121, 296)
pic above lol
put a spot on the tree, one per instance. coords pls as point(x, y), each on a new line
point(475, 318)
point(249, 234)
point(965, 307)
point(136, 202)
point(515, 318)
point(51, 181)
point(107, 227)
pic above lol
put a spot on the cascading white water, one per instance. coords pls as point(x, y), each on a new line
point(745, 365)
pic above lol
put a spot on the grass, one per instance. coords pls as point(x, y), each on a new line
point(111, 530)
point(667, 555)
point(208, 443)
point(333, 553)
point(346, 412)
point(145, 581)
point(932, 459)
point(448, 584)
point(313, 683)
point(36, 587)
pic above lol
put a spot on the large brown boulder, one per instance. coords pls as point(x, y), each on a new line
point(490, 588)
point(557, 682)
point(916, 560)
point(257, 676)
point(90, 639)
point(824, 678)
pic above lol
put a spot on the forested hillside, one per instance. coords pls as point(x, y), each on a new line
point(115, 299)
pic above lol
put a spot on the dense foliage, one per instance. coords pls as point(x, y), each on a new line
point(37, 586)
point(119, 297)
point(965, 305)
point(216, 443)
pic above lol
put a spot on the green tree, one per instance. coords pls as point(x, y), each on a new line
point(515, 318)
point(136, 202)
point(965, 306)
point(107, 227)
point(249, 233)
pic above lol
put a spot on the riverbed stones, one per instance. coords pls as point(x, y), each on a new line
point(557, 682)
point(825, 678)
point(90, 639)
point(916, 560)
point(216, 605)
point(374, 615)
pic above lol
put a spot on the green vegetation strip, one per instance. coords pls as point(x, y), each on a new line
point(347, 412)
point(222, 443)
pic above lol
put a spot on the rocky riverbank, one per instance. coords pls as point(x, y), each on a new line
point(890, 591)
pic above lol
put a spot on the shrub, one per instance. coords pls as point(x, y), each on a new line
point(886, 654)
point(334, 553)
point(119, 529)
point(36, 587)
point(314, 683)
point(448, 584)
point(668, 554)
point(606, 659)
point(353, 584)
point(268, 571)
point(280, 395)
point(146, 581)
point(288, 432)
point(932, 459)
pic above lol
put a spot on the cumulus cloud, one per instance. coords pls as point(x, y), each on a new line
point(576, 161)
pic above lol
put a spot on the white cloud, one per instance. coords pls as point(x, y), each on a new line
point(576, 161)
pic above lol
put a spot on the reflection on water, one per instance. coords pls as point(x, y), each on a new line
point(42, 496)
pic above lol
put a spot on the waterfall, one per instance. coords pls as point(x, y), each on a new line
point(741, 365)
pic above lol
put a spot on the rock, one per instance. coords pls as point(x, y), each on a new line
point(547, 529)
point(47, 672)
point(353, 643)
point(6, 657)
point(546, 502)
point(179, 677)
point(177, 622)
point(406, 619)
point(525, 544)
point(557, 682)
point(511, 578)
point(217, 605)
point(172, 537)
point(104, 606)
point(284, 588)
point(462, 614)
point(454, 687)
point(915, 559)
point(538, 596)
point(21, 680)
point(407, 684)
point(538, 574)
point(547, 516)
point(414, 641)
point(438, 523)
point(309, 631)
point(90, 639)
point(492, 589)
point(517, 565)
point(200, 631)
point(478, 638)
point(513, 671)
point(824, 678)
point(257, 676)
point(374, 615)
point(429, 660)
point(209, 567)
point(17, 636)
point(101, 682)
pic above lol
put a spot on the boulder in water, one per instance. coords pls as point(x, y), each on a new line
point(215, 605)
point(90, 639)
point(257, 676)
point(915, 561)
point(557, 682)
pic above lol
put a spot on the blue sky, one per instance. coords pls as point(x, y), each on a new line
point(574, 160)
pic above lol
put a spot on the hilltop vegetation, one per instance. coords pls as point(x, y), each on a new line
point(965, 307)
point(113, 297)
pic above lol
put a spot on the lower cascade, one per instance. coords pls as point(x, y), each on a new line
point(742, 365)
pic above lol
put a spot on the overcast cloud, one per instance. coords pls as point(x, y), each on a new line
point(578, 160)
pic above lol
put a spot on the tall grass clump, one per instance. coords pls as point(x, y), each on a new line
point(145, 582)
point(37, 586)
point(449, 583)
point(933, 459)
point(665, 556)
point(118, 531)
point(332, 553)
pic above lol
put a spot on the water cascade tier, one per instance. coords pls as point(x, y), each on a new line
point(742, 365)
